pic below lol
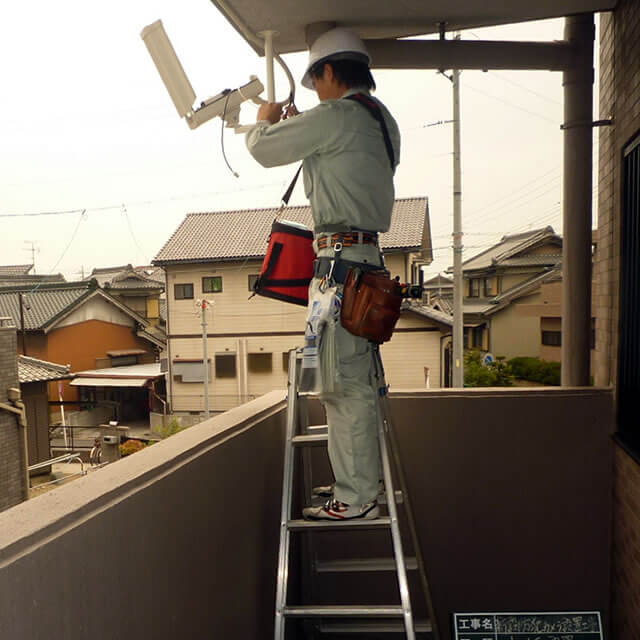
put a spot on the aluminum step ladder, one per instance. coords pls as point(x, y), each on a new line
point(354, 619)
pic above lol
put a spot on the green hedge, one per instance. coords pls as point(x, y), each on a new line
point(495, 374)
point(536, 370)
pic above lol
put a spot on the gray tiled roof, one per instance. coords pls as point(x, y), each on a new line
point(229, 235)
point(429, 312)
point(128, 277)
point(34, 370)
point(133, 282)
point(508, 247)
point(443, 302)
point(42, 305)
point(533, 261)
point(15, 269)
point(28, 280)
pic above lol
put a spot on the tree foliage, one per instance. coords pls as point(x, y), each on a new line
point(536, 370)
point(494, 374)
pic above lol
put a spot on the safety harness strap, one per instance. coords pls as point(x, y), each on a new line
point(374, 109)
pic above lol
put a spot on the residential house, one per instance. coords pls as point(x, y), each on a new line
point(34, 375)
point(79, 324)
point(140, 288)
point(509, 271)
point(438, 292)
point(217, 256)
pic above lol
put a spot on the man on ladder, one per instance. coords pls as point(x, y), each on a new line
point(349, 159)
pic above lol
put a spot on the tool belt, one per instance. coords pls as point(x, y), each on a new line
point(370, 304)
point(322, 267)
point(347, 238)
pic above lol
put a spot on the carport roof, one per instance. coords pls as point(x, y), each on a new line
point(376, 19)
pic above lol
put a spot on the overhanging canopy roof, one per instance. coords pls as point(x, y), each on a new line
point(376, 19)
point(109, 382)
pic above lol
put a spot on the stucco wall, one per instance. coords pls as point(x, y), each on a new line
point(513, 334)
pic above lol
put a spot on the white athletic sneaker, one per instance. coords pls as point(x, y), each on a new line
point(335, 510)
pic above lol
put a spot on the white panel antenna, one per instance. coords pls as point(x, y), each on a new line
point(225, 104)
point(169, 67)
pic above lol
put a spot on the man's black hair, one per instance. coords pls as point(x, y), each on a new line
point(350, 73)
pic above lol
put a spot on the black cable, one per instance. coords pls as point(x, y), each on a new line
point(224, 113)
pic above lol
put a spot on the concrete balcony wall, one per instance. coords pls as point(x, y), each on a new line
point(511, 491)
point(512, 496)
point(176, 541)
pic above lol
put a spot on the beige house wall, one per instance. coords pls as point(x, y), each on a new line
point(242, 326)
point(513, 334)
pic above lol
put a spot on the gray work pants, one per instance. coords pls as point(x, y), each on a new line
point(351, 411)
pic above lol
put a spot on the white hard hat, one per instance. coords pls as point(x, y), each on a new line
point(337, 44)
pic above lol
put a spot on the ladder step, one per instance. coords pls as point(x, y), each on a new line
point(344, 611)
point(310, 440)
point(382, 498)
point(317, 428)
point(357, 565)
point(301, 525)
point(383, 626)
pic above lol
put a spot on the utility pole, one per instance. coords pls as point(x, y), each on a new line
point(458, 312)
point(204, 305)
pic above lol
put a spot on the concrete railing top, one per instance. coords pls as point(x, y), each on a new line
point(28, 522)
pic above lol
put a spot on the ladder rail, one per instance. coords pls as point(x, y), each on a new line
point(287, 490)
point(383, 401)
point(395, 528)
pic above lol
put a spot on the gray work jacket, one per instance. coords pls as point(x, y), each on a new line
point(347, 175)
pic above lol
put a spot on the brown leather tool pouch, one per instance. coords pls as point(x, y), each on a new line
point(370, 304)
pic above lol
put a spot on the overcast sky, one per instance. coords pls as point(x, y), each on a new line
point(88, 125)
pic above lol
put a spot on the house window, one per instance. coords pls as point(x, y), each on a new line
point(260, 362)
point(183, 291)
point(190, 370)
point(212, 284)
point(123, 361)
point(488, 287)
point(474, 288)
point(552, 338)
point(629, 327)
point(285, 361)
point(477, 336)
point(225, 365)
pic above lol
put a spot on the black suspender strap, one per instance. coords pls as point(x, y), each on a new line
point(374, 109)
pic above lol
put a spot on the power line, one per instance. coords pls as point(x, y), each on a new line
point(509, 104)
point(118, 207)
point(64, 253)
point(133, 237)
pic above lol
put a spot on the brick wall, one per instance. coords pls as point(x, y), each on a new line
point(12, 476)
point(625, 606)
point(620, 100)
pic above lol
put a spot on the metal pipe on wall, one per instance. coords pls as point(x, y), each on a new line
point(577, 196)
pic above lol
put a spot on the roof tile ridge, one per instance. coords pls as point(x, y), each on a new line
point(46, 363)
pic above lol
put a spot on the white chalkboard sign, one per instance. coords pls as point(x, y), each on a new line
point(556, 625)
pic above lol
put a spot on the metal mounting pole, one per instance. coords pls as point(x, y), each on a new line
point(205, 359)
point(268, 55)
point(577, 195)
